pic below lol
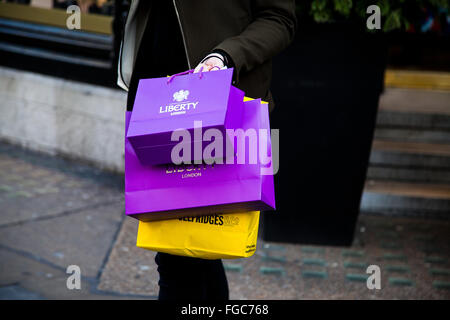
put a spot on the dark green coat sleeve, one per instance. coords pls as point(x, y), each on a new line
point(271, 30)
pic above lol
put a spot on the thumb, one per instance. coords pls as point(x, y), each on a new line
point(200, 66)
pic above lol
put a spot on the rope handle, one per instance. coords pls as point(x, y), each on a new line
point(183, 73)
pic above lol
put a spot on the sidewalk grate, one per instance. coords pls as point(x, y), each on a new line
point(233, 267)
point(440, 272)
point(400, 282)
point(355, 265)
point(429, 249)
point(313, 250)
point(441, 285)
point(424, 238)
point(357, 277)
point(350, 253)
point(391, 245)
point(269, 270)
point(435, 259)
point(314, 262)
point(400, 269)
point(279, 259)
point(314, 274)
point(388, 234)
point(391, 256)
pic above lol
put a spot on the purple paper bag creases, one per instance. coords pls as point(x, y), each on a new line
point(169, 191)
point(162, 106)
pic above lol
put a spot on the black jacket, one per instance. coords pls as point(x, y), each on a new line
point(251, 32)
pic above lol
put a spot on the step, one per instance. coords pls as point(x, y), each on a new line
point(413, 147)
point(417, 79)
point(406, 199)
point(412, 135)
point(413, 155)
point(418, 109)
point(413, 120)
point(408, 174)
point(415, 101)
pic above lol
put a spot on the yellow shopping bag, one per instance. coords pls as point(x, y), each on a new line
point(219, 236)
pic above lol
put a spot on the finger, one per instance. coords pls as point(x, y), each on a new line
point(207, 68)
point(213, 61)
point(200, 66)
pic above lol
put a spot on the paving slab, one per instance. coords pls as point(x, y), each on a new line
point(82, 238)
point(16, 292)
point(40, 235)
point(130, 270)
point(34, 186)
point(55, 212)
point(24, 277)
point(313, 272)
point(415, 101)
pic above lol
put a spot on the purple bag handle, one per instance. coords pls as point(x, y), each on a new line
point(183, 73)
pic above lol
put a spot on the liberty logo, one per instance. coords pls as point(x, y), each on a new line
point(179, 108)
point(180, 95)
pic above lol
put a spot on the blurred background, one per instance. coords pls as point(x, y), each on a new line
point(364, 179)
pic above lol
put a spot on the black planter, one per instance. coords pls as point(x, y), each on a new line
point(326, 88)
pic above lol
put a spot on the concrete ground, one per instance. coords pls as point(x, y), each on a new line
point(56, 213)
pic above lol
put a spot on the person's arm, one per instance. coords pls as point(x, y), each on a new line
point(213, 61)
point(272, 30)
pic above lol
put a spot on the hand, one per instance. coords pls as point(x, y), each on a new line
point(210, 64)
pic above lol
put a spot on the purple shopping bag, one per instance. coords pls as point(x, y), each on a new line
point(163, 105)
point(169, 191)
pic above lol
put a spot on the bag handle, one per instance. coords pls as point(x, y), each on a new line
point(183, 73)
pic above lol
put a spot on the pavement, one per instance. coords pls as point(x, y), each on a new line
point(57, 212)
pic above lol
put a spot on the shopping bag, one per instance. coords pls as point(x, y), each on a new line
point(168, 192)
point(184, 101)
point(218, 236)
